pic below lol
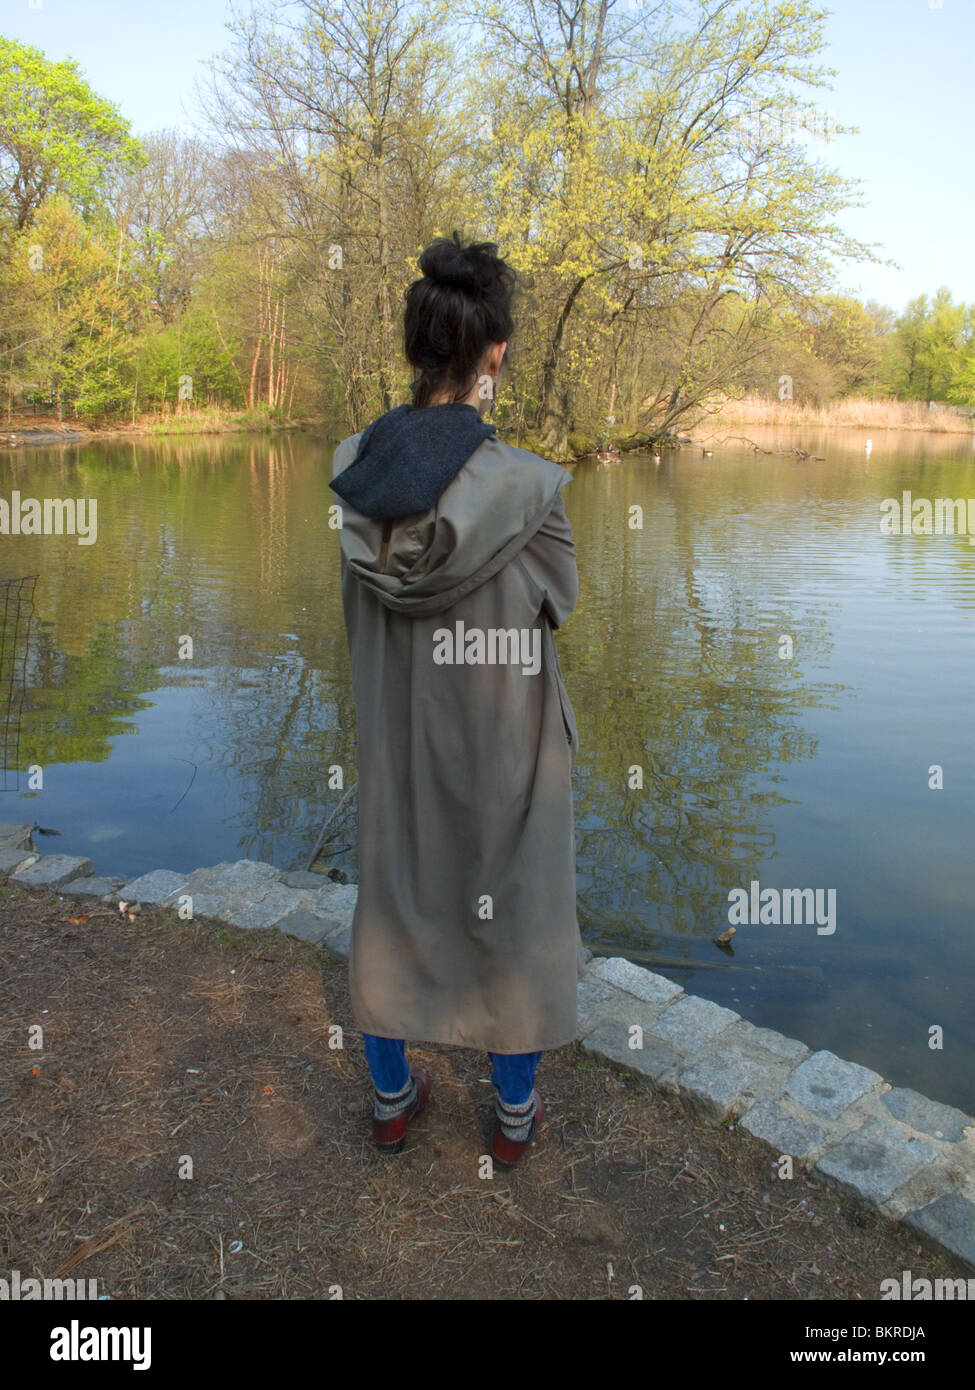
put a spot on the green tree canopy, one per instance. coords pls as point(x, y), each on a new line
point(56, 134)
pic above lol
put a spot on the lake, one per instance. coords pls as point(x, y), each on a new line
point(801, 768)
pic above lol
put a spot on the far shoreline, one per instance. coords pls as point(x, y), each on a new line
point(854, 413)
point(44, 431)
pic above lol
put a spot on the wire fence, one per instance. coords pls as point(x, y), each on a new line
point(16, 610)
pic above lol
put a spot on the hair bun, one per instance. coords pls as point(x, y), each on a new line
point(473, 269)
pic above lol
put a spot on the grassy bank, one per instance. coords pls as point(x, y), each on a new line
point(154, 425)
point(213, 421)
point(166, 1041)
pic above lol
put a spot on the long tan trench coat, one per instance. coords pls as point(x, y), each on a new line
point(465, 928)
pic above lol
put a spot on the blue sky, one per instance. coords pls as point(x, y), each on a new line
point(905, 77)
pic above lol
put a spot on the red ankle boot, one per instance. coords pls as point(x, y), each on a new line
point(390, 1135)
point(506, 1152)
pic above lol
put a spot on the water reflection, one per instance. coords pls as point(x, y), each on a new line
point(806, 771)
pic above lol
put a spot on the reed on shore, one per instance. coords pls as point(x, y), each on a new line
point(851, 412)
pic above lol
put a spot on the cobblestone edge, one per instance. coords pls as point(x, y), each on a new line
point(888, 1148)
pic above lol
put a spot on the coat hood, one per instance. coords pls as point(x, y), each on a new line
point(407, 457)
point(434, 504)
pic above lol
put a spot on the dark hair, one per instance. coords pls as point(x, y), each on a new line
point(454, 313)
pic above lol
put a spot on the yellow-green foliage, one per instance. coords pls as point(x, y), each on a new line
point(658, 176)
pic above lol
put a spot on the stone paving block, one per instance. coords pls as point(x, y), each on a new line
point(710, 1089)
point(154, 887)
point(947, 1223)
point(928, 1116)
point(692, 1022)
point(303, 878)
point(656, 1062)
point(11, 858)
point(328, 894)
point(874, 1161)
point(304, 925)
point(335, 904)
point(615, 970)
point(14, 836)
point(787, 1134)
point(241, 877)
point(339, 942)
point(827, 1085)
point(595, 1001)
point(729, 1078)
point(623, 1010)
point(936, 1178)
point(54, 870)
point(789, 1049)
point(93, 887)
point(264, 908)
point(208, 904)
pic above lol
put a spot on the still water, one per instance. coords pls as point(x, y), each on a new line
point(801, 771)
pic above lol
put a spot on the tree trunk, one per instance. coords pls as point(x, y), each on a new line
point(552, 421)
point(270, 349)
point(260, 335)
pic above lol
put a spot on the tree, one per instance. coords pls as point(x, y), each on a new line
point(944, 345)
point(910, 338)
point(929, 348)
point(650, 170)
point(192, 352)
point(164, 204)
point(80, 303)
point(845, 338)
point(338, 122)
point(651, 173)
point(56, 135)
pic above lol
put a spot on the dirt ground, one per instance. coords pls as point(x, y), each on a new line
point(167, 1042)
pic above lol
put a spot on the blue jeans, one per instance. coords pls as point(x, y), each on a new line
point(513, 1074)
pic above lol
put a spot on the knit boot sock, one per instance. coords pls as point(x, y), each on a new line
point(390, 1105)
point(516, 1120)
